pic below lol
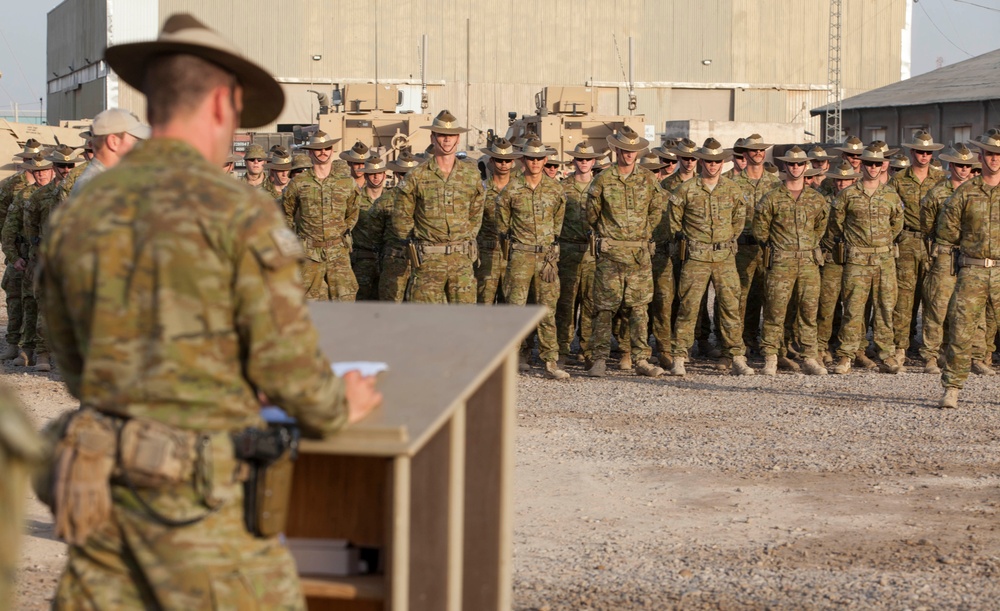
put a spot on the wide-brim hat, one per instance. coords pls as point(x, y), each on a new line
point(255, 151)
point(359, 153)
point(31, 148)
point(794, 155)
point(37, 162)
point(263, 98)
point(318, 141)
point(883, 146)
point(665, 153)
point(988, 142)
point(501, 149)
point(899, 162)
point(712, 150)
point(959, 154)
point(811, 171)
point(652, 162)
point(738, 146)
point(852, 145)
point(445, 123)
point(872, 153)
point(404, 163)
point(819, 154)
point(279, 163)
point(301, 161)
point(375, 165)
point(922, 141)
point(64, 154)
point(584, 151)
point(627, 140)
point(844, 171)
point(685, 148)
point(754, 142)
point(534, 149)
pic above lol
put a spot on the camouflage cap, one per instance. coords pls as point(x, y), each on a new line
point(899, 162)
point(844, 171)
point(31, 148)
point(713, 150)
point(301, 161)
point(583, 150)
point(359, 153)
point(960, 154)
point(851, 146)
point(375, 165)
point(652, 162)
point(922, 141)
point(627, 140)
point(404, 163)
point(501, 149)
point(255, 152)
point(754, 142)
point(318, 141)
point(445, 123)
point(818, 153)
point(686, 147)
point(64, 154)
point(794, 155)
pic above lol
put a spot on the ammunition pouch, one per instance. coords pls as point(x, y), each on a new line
point(682, 247)
point(768, 251)
point(839, 252)
point(413, 253)
point(956, 259)
point(505, 243)
point(592, 244)
point(271, 455)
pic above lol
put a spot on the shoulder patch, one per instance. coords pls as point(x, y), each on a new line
point(287, 242)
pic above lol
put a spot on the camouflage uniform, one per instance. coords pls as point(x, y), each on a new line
point(913, 260)
point(11, 283)
point(703, 330)
point(623, 209)
point(36, 218)
point(322, 213)
point(366, 240)
point(831, 288)
point(69, 181)
point(576, 270)
point(534, 218)
point(793, 227)
point(711, 222)
point(395, 276)
point(490, 272)
point(749, 260)
point(969, 221)
point(15, 246)
point(443, 214)
point(172, 295)
point(868, 226)
point(664, 284)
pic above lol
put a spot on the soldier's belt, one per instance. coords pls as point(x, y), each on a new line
point(696, 246)
point(940, 249)
point(907, 233)
point(967, 261)
point(536, 248)
point(445, 248)
point(574, 246)
point(865, 250)
point(338, 241)
point(793, 254)
point(606, 243)
point(746, 239)
point(361, 253)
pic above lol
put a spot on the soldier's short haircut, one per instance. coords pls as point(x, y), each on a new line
point(176, 84)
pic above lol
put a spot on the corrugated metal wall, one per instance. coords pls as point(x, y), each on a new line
point(488, 57)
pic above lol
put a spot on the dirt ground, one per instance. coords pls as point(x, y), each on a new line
point(717, 492)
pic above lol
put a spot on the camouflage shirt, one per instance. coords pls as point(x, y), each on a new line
point(575, 226)
point(708, 217)
point(867, 222)
point(670, 183)
point(36, 215)
point(437, 209)
point(624, 207)
point(245, 179)
point(971, 220)
point(790, 224)
point(321, 212)
point(827, 188)
point(367, 233)
point(10, 187)
point(533, 216)
point(754, 190)
point(386, 204)
point(488, 230)
point(912, 193)
point(15, 245)
point(172, 293)
point(66, 184)
point(930, 206)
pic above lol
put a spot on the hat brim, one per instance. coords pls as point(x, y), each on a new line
point(952, 159)
point(263, 97)
point(836, 176)
point(319, 146)
point(753, 147)
point(278, 166)
point(824, 158)
point(985, 147)
point(642, 145)
point(794, 159)
point(392, 165)
point(848, 151)
point(447, 131)
point(865, 158)
point(509, 157)
point(925, 148)
point(722, 156)
point(350, 157)
point(653, 168)
point(576, 155)
point(378, 171)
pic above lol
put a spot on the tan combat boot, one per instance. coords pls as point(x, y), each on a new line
point(42, 362)
point(8, 353)
point(812, 367)
point(827, 357)
point(707, 351)
point(901, 356)
point(950, 399)
point(597, 369)
point(522, 363)
point(25, 358)
point(890, 365)
point(645, 368)
point(843, 365)
point(666, 361)
point(724, 364)
point(770, 365)
point(861, 360)
point(981, 368)
point(626, 362)
point(678, 368)
point(931, 366)
point(553, 371)
point(740, 367)
point(788, 364)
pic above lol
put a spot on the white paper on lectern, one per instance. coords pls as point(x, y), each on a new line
point(365, 368)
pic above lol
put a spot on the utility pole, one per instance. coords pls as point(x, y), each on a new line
point(834, 123)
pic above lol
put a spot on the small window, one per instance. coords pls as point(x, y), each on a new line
point(962, 133)
point(876, 133)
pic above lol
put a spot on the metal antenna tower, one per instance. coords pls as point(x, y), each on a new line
point(834, 125)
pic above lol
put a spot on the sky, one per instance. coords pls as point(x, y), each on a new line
point(944, 32)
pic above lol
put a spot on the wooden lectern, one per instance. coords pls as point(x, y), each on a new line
point(427, 478)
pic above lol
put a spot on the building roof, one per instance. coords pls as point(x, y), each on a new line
point(972, 80)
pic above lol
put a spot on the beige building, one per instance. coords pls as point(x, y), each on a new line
point(718, 60)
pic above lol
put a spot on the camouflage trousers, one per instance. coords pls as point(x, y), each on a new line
point(41, 328)
point(790, 284)
point(134, 562)
point(331, 279)
point(444, 278)
point(489, 275)
point(911, 266)
point(750, 266)
point(366, 270)
point(691, 287)
point(11, 285)
point(29, 309)
point(394, 278)
point(830, 290)
point(576, 286)
point(663, 300)
point(977, 294)
point(939, 286)
point(626, 284)
point(523, 276)
point(877, 279)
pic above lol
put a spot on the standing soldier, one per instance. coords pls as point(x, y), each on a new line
point(710, 212)
point(868, 216)
point(113, 134)
point(278, 167)
point(623, 206)
point(912, 184)
point(687, 165)
point(739, 160)
point(255, 158)
point(755, 182)
point(367, 233)
point(300, 163)
point(832, 272)
point(395, 276)
point(970, 221)
point(167, 331)
point(576, 262)
point(10, 191)
point(530, 213)
point(664, 284)
point(897, 164)
point(553, 165)
point(322, 208)
point(789, 223)
point(821, 160)
point(355, 160)
point(440, 209)
point(489, 274)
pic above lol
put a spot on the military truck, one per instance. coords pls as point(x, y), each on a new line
point(14, 135)
point(564, 117)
